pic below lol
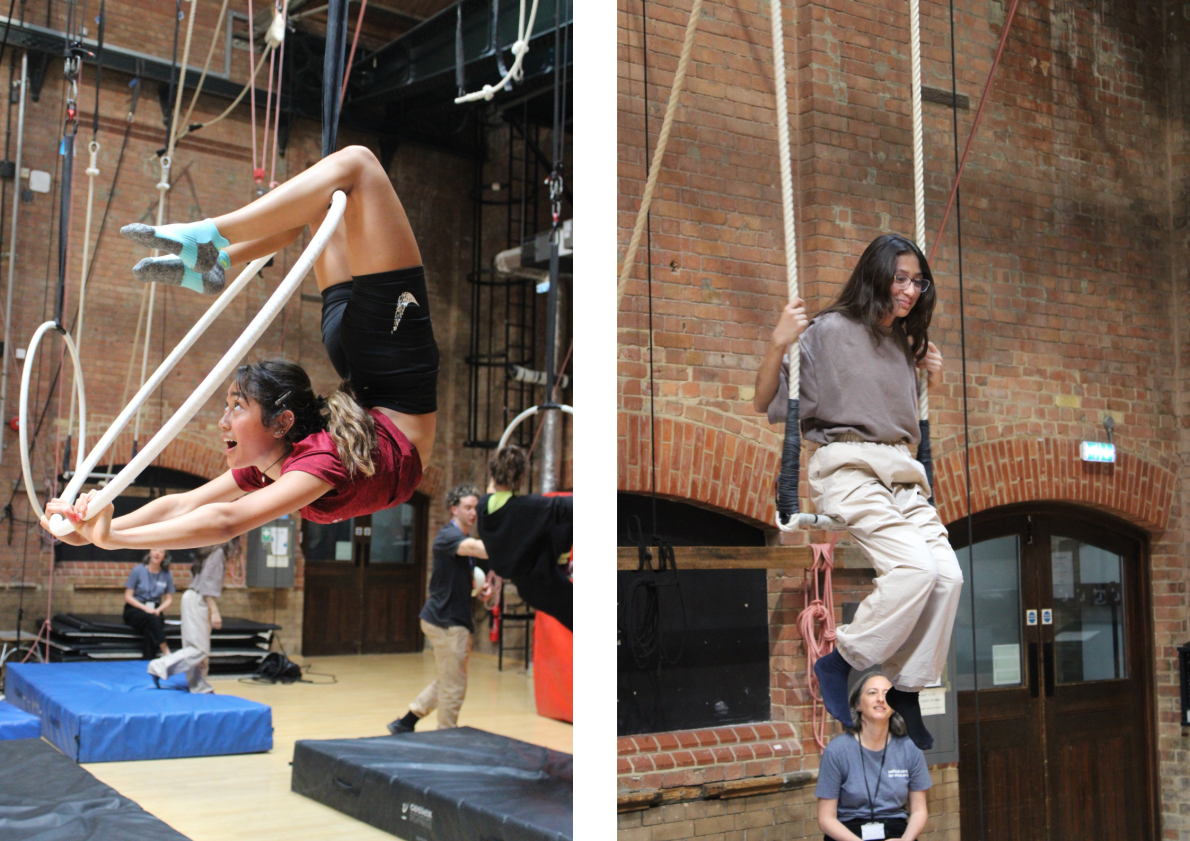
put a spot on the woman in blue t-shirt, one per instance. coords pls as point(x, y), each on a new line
point(147, 595)
point(872, 780)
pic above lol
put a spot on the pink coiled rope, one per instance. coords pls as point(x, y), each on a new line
point(816, 623)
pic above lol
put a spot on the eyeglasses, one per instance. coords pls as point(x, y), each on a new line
point(901, 281)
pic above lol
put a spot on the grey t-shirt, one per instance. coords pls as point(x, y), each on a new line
point(842, 770)
point(852, 383)
point(147, 587)
point(209, 581)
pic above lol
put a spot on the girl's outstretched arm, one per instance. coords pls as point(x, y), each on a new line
point(220, 489)
point(214, 522)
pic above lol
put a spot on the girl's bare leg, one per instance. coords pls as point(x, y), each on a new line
point(246, 252)
point(378, 236)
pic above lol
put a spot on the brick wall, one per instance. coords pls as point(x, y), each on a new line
point(1074, 240)
point(211, 174)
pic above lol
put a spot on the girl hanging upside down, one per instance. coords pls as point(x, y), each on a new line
point(858, 404)
point(360, 450)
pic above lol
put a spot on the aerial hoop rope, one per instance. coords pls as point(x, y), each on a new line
point(519, 48)
point(92, 171)
point(163, 188)
point(195, 402)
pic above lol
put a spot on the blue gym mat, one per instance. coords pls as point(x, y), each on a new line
point(17, 724)
point(110, 712)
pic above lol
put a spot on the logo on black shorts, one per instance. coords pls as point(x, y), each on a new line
point(402, 302)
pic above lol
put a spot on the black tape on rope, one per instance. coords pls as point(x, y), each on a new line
point(332, 72)
point(924, 455)
point(791, 455)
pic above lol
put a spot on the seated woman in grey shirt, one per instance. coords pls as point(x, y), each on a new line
point(200, 613)
point(872, 780)
point(147, 595)
point(858, 407)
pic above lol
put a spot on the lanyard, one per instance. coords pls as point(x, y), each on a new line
point(879, 774)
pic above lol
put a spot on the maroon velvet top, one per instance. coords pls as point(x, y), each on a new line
point(398, 472)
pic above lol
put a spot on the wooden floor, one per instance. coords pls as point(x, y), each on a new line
point(248, 797)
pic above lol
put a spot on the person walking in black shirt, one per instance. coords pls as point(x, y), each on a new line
point(446, 618)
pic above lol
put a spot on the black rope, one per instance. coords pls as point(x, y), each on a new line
point(7, 29)
point(332, 72)
point(644, 60)
point(98, 69)
point(640, 611)
point(958, 217)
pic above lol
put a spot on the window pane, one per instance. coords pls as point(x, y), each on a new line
point(997, 594)
point(392, 535)
point(1088, 612)
point(330, 542)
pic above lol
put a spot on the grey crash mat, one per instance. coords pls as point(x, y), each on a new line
point(44, 796)
point(461, 784)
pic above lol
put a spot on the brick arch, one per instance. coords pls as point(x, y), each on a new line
point(699, 464)
point(1029, 469)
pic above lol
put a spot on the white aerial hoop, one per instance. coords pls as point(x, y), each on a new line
point(61, 527)
point(528, 413)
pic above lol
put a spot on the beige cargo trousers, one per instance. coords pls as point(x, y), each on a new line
point(451, 647)
point(882, 494)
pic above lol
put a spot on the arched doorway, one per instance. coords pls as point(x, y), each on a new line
point(1061, 659)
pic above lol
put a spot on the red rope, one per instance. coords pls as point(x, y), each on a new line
point(975, 125)
point(816, 623)
point(359, 24)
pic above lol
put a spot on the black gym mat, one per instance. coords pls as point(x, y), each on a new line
point(443, 785)
point(44, 796)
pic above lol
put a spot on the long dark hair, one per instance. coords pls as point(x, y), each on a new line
point(278, 384)
point(867, 295)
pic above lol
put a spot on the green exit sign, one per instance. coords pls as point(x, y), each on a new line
point(1098, 452)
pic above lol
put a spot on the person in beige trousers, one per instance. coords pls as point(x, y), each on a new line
point(446, 618)
point(858, 411)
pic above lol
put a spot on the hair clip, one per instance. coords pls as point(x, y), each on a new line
point(282, 398)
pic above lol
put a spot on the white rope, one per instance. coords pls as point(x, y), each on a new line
point(919, 169)
point(92, 171)
point(173, 123)
point(207, 66)
point(213, 380)
point(250, 86)
point(786, 178)
point(518, 49)
point(659, 154)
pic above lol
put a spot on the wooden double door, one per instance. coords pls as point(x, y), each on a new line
point(1064, 748)
point(365, 582)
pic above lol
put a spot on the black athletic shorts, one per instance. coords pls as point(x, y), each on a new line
point(391, 368)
